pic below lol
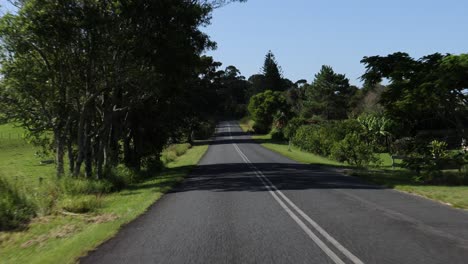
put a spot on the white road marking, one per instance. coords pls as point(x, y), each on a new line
point(275, 192)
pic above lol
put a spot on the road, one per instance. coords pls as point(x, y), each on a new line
point(246, 204)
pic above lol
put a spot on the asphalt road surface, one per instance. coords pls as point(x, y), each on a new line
point(246, 204)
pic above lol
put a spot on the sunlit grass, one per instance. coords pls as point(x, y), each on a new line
point(63, 237)
point(381, 173)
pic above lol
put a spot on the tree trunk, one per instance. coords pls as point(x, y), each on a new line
point(71, 156)
point(60, 152)
point(88, 159)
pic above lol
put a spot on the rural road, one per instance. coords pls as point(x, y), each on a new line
point(246, 204)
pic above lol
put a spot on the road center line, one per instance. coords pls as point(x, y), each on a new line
point(275, 192)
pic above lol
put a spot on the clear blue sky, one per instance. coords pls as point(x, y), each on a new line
point(305, 34)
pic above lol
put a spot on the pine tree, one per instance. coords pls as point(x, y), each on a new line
point(328, 94)
point(272, 72)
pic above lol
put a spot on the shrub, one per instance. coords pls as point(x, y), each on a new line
point(260, 128)
point(76, 186)
point(80, 204)
point(319, 139)
point(204, 130)
point(262, 108)
point(308, 139)
point(276, 134)
point(173, 151)
point(438, 149)
point(122, 176)
point(353, 151)
point(292, 127)
point(15, 209)
point(45, 197)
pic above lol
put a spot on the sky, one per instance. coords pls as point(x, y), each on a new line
point(306, 34)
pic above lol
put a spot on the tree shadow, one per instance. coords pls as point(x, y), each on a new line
point(222, 138)
point(285, 176)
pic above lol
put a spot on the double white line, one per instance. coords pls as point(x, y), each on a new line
point(293, 214)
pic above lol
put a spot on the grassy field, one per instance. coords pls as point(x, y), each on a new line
point(62, 237)
point(382, 174)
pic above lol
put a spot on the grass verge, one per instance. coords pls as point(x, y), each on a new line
point(63, 237)
point(398, 178)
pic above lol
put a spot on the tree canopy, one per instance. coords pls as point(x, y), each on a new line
point(427, 93)
point(328, 95)
point(114, 81)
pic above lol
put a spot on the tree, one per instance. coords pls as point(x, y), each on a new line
point(270, 78)
point(257, 84)
point(273, 79)
point(262, 108)
point(111, 80)
point(328, 94)
point(233, 95)
point(428, 93)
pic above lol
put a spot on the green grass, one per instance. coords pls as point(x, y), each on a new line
point(382, 174)
point(19, 163)
point(63, 237)
point(295, 153)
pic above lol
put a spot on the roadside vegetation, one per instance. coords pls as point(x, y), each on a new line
point(410, 134)
point(50, 220)
point(85, 113)
point(99, 116)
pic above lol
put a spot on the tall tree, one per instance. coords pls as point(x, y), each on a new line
point(107, 78)
point(328, 94)
point(273, 79)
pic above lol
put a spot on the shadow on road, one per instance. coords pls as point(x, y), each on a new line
point(221, 138)
point(240, 177)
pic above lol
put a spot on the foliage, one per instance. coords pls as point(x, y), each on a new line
point(328, 94)
point(204, 129)
point(293, 125)
point(174, 151)
point(428, 93)
point(15, 209)
point(319, 139)
point(273, 79)
point(353, 150)
point(87, 231)
point(438, 149)
point(80, 205)
point(107, 89)
point(262, 108)
point(378, 129)
point(76, 186)
point(270, 79)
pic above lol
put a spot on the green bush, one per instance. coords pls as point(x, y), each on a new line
point(173, 151)
point(15, 209)
point(76, 186)
point(262, 108)
point(320, 139)
point(308, 138)
point(123, 176)
point(438, 149)
point(45, 197)
point(292, 127)
point(80, 204)
point(353, 151)
point(277, 135)
point(204, 130)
